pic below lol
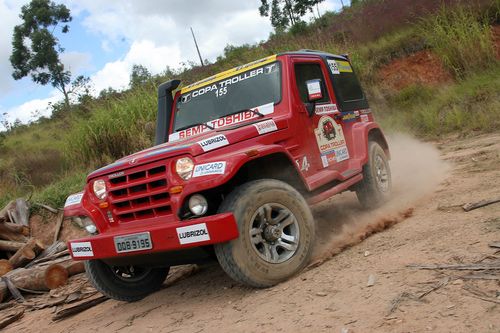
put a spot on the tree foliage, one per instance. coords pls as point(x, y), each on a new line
point(286, 13)
point(139, 76)
point(35, 48)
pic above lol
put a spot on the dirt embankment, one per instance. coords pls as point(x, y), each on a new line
point(333, 296)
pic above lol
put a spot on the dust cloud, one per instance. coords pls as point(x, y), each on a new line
point(417, 170)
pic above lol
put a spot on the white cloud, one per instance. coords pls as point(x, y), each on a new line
point(156, 30)
point(9, 12)
point(117, 74)
point(76, 62)
point(34, 108)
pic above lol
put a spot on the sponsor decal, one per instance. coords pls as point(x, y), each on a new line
point(314, 89)
point(331, 141)
point(229, 73)
point(73, 199)
point(364, 118)
point(326, 109)
point(193, 234)
point(116, 175)
point(214, 168)
point(82, 249)
point(334, 68)
point(266, 126)
point(365, 111)
point(224, 121)
point(213, 142)
point(350, 116)
point(303, 164)
point(344, 66)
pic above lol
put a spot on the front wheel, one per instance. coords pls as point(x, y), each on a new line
point(276, 233)
point(375, 188)
point(125, 283)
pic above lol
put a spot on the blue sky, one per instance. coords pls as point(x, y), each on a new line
point(107, 38)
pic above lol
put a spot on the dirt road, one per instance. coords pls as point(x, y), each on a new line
point(333, 295)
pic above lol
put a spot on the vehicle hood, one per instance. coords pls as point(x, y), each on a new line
point(191, 146)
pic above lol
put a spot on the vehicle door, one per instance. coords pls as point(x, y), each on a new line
point(325, 141)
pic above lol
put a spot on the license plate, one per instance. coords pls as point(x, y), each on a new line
point(134, 242)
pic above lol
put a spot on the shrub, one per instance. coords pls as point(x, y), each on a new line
point(461, 39)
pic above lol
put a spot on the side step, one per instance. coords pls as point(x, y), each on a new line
point(334, 190)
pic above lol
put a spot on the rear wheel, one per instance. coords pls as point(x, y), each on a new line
point(276, 233)
point(375, 188)
point(125, 283)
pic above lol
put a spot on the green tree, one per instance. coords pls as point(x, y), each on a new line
point(286, 13)
point(35, 49)
point(139, 76)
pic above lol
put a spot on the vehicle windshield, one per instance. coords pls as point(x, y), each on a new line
point(243, 90)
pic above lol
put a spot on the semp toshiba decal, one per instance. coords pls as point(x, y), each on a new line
point(224, 121)
point(331, 141)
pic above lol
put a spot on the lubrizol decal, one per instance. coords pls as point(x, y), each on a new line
point(331, 141)
point(73, 199)
point(325, 109)
point(265, 109)
point(213, 142)
point(82, 249)
point(214, 168)
point(266, 126)
point(193, 233)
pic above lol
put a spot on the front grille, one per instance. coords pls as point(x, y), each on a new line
point(140, 194)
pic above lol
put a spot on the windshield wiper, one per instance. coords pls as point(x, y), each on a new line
point(251, 110)
point(193, 125)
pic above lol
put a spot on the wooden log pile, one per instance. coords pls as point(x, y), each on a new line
point(29, 267)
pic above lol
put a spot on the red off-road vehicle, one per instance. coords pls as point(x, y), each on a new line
point(239, 157)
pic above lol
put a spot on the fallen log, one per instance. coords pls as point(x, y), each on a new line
point(79, 307)
point(27, 253)
point(460, 267)
point(475, 205)
point(14, 232)
point(36, 278)
point(10, 245)
point(75, 267)
point(5, 267)
point(52, 250)
point(50, 209)
point(494, 244)
point(11, 317)
point(16, 211)
point(60, 219)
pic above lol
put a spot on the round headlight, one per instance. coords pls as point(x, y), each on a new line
point(100, 189)
point(184, 167)
point(198, 204)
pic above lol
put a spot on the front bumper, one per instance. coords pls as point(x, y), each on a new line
point(165, 237)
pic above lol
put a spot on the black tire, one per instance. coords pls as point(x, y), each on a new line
point(107, 281)
point(375, 188)
point(243, 260)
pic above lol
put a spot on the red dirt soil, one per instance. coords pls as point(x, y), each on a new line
point(422, 67)
point(495, 31)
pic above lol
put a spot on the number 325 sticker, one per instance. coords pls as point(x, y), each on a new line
point(303, 164)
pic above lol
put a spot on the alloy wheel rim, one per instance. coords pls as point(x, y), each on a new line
point(274, 233)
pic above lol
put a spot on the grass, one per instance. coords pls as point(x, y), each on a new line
point(461, 39)
point(469, 106)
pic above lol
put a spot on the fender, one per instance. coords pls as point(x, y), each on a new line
point(84, 207)
point(361, 132)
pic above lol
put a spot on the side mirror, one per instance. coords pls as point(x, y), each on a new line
point(314, 92)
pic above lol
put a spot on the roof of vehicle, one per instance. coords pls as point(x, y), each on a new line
point(254, 64)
